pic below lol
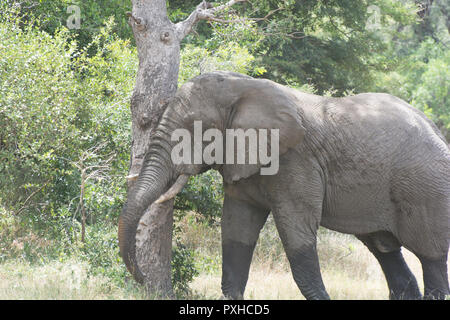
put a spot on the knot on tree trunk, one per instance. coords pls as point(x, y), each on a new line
point(138, 21)
point(166, 37)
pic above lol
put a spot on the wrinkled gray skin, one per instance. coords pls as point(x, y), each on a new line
point(369, 165)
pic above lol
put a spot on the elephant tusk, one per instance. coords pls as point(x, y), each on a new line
point(132, 177)
point(173, 191)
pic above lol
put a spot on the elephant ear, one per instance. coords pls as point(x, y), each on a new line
point(269, 107)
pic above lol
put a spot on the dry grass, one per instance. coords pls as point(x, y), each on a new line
point(349, 270)
point(58, 281)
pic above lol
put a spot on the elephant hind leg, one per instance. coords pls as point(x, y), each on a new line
point(386, 249)
point(305, 268)
point(425, 232)
point(298, 235)
point(435, 277)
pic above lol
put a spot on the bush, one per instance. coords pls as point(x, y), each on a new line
point(422, 79)
point(183, 269)
point(55, 103)
point(204, 194)
point(101, 251)
point(51, 15)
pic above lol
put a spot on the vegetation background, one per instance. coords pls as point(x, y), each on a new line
point(65, 133)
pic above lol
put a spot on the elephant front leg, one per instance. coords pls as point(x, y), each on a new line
point(298, 235)
point(241, 224)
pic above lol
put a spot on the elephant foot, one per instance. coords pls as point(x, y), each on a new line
point(232, 296)
point(408, 290)
point(435, 278)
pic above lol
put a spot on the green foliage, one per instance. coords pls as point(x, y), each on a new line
point(36, 117)
point(197, 60)
point(101, 251)
point(183, 269)
point(420, 77)
point(432, 94)
point(51, 15)
point(428, 81)
point(203, 194)
point(331, 46)
point(54, 104)
point(227, 48)
point(324, 44)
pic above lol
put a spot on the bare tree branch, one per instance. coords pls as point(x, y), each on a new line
point(268, 15)
point(97, 170)
point(214, 19)
point(204, 11)
point(291, 35)
point(31, 196)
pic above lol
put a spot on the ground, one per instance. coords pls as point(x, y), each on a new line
point(349, 271)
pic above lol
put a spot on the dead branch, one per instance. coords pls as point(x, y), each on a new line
point(88, 171)
point(268, 15)
point(204, 11)
point(31, 196)
point(291, 35)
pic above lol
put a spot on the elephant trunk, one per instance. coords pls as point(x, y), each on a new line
point(157, 175)
point(153, 181)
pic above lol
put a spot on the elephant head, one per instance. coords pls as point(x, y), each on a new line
point(220, 100)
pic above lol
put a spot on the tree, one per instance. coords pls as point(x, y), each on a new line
point(158, 44)
point(90, 167)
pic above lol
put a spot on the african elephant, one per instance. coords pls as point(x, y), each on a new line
point(369, 165)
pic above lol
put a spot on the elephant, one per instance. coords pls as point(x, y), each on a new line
point(370, 165)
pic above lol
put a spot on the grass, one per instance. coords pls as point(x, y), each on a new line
point(349, 270)
point(59, 281)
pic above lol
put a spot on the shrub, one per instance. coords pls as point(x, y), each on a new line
point(55, 103)
point(183, 269)
point(204, 194)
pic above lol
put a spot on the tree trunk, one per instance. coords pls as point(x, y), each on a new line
point(157, 77)
point(154, 249)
